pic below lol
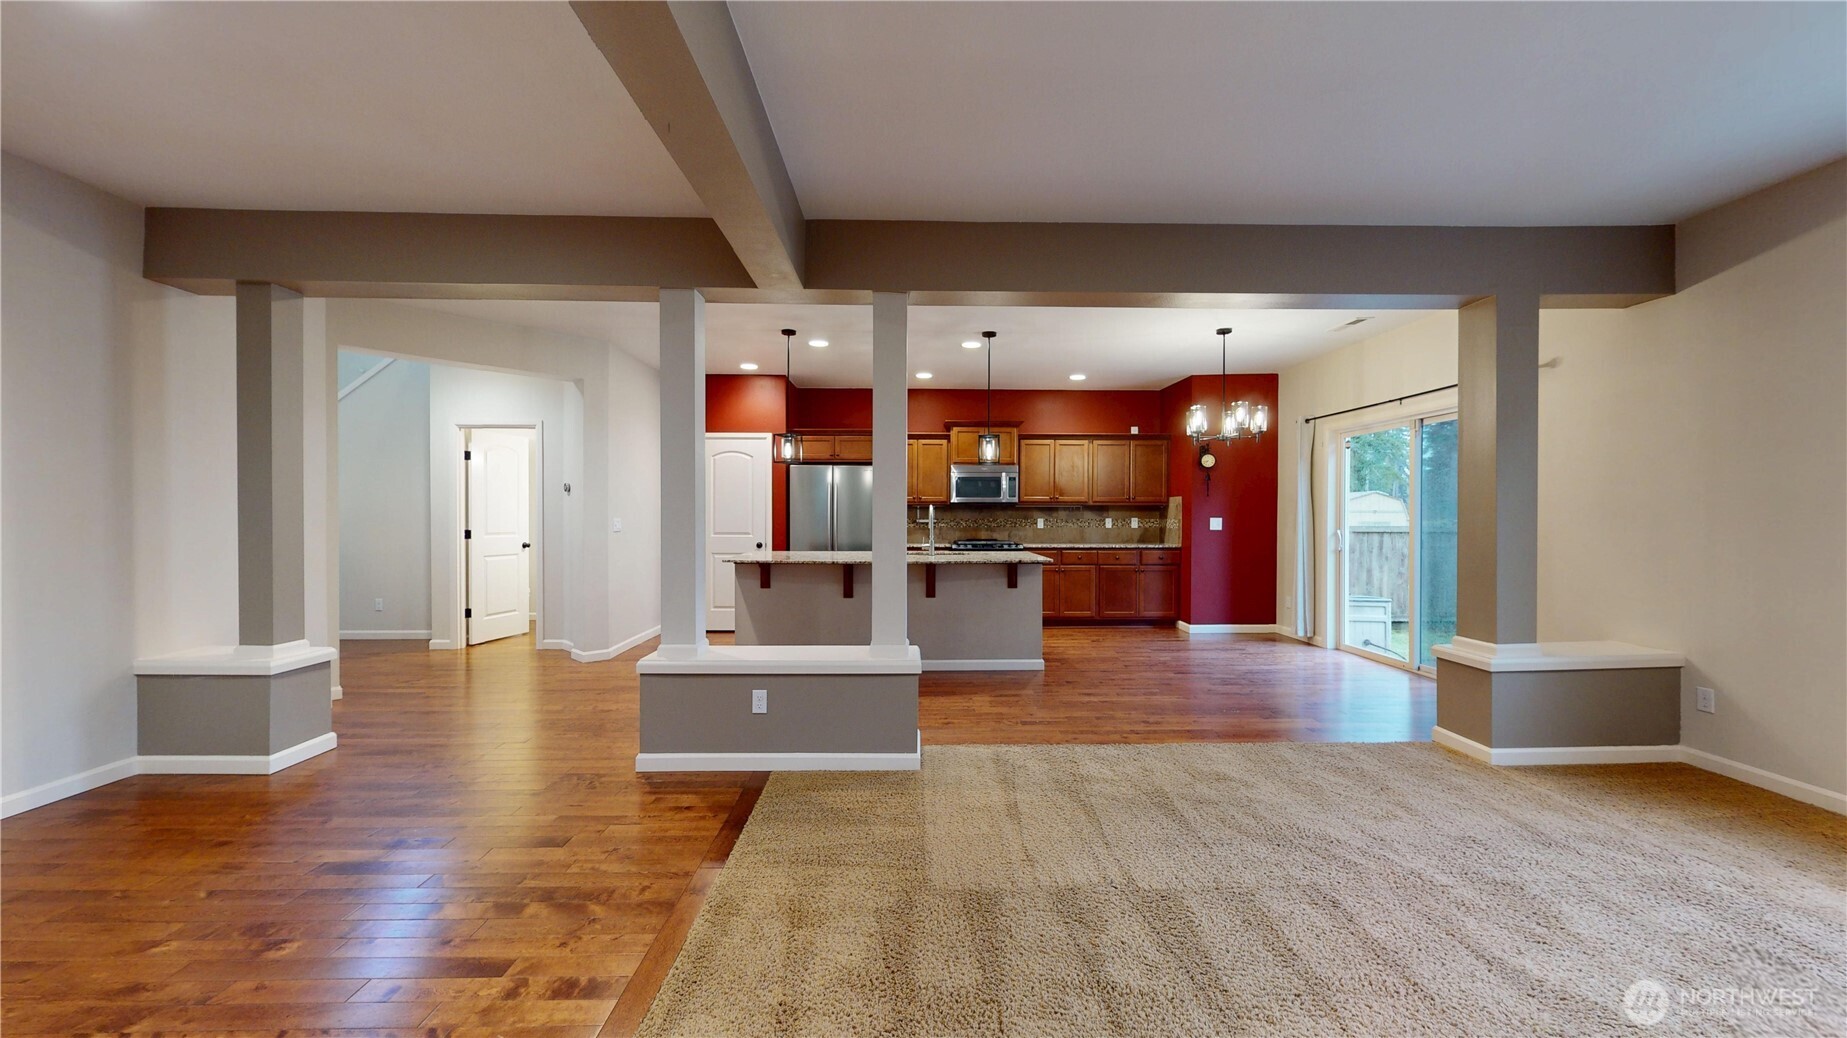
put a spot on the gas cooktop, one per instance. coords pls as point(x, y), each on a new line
point(985, 544)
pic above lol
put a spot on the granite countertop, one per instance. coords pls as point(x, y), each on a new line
point(1103, 547)
point(864, 558)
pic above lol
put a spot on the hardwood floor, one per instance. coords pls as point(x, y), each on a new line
point(479, 856)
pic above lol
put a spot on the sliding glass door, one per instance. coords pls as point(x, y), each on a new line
point(1397, 540)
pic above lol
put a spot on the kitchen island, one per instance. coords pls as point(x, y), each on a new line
point(968, 610)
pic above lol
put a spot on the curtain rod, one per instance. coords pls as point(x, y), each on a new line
point(1380, 403)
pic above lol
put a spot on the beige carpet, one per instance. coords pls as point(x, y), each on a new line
point(1273, 889)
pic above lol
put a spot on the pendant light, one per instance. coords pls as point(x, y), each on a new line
point(1238, 420)
point(788, 445)
point(989, 444)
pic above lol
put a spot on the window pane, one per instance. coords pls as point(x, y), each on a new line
point(1378, 542)
point(1436, 538)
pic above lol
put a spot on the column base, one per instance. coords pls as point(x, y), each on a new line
point(1558, 702)
point(243, 710)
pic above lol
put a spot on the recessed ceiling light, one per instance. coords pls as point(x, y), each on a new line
point(925, 374)
point(748, 366)
point(972, 344)
point(817, 343)
point(1079, 377)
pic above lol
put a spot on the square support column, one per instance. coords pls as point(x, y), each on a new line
point(683, 503)
point(266, 703)
point(271, 465)
point(890, 385)
point(1497, 543)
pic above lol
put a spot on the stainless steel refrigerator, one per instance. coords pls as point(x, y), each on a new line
point(830, 508)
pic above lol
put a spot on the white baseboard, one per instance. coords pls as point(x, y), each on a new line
point(444, 644)
point(1795, 789)
point(781, 761)
point(384, 636)
point(1292, 636)
point(239, 764)
point(338, 692)
point(1021, 664)
point(1192, 629)
point(58, 789)
point(129, 767)
point(555, 643)
point(615, 650)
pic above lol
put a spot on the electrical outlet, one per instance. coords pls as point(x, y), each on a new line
point(1135, 522)
point(615, 526)
point(1041, 522)
point(378, 605)
point(1707, 700)
point(1109, 522)
point(1217, 522)
point(759, 700)
point(1135, 430)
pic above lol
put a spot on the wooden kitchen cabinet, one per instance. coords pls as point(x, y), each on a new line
point(1157, 590)
point(1118, 596)
point(927, 461)
point(817, 448)
point(852, 448)
point(1036, 481)
point(1077, 591)
point(965, 445)
point(1071, 470)
point(1109, 471)
point(1148, 471)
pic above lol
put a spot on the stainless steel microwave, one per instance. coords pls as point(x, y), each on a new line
point(984, 484)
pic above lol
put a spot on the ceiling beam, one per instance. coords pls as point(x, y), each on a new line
point(428, 255)
point(1347, 263)
point(436, 255)
point(685, 68)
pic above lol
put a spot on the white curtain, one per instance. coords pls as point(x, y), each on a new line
point(1306, 557)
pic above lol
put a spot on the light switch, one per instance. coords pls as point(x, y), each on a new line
point(615, 526)
point(1217, 522)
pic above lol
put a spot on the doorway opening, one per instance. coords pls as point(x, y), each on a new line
point(500, 530)
point(1395, 540)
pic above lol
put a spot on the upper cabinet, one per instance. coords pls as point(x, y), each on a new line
point(1109, 471)
point(1148, 471)
point(1085, 471)
point(852, 447)
point(965, 445)
point(927, 459)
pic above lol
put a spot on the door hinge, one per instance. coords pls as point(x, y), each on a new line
point(468, 455)
point(468, 535)
point(468, 614)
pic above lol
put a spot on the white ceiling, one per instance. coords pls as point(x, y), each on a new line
point(427, 107)
point(1038, 347)
point(1369, 113)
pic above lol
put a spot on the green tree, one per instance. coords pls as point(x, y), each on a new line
point(1381, 461)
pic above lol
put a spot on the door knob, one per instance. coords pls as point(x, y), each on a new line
point(759, 544)
point(525, 544)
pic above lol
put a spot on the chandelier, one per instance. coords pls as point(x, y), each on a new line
point(1239, 420)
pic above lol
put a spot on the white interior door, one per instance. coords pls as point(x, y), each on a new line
point(499, 534)
point(737, 520)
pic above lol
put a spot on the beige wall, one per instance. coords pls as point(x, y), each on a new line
point(1693, 480)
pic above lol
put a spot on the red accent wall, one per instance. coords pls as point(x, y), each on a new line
point(1041, 411)
point(755, 404)
point(1226, 576)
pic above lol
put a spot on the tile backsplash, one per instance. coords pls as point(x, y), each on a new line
point(1155, 524)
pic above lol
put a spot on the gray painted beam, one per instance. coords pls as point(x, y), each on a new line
point(271, 604)
point(685, 68)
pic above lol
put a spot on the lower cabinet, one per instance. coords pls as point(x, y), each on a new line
point(1113, 585)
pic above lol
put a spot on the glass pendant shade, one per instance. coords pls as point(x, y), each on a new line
point(1196, 421)
point(1260, 419)
point(788, 446)
point(989, 448)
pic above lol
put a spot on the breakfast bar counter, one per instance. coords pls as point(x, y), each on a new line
point(968, 610)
